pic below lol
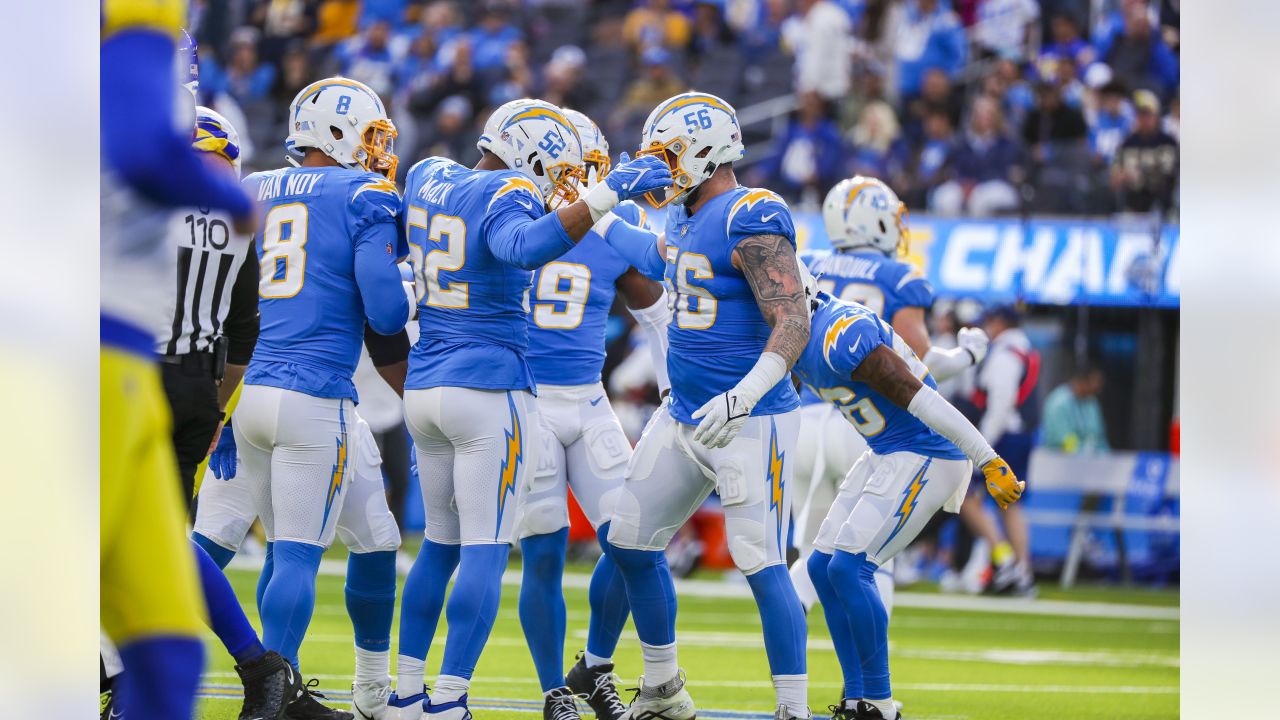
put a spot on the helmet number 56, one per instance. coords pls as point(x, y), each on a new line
point(699, 119)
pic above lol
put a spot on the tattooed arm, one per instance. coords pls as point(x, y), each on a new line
point(769, 262)
point(888, 374)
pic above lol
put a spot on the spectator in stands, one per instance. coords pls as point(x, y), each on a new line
point(929, 36)
point(336, 20)
point(295, 74)
point(564, 85)
point(758, 27)
point(1008, 28)
point(516, 80)
point(440, 20)
point(926, 172)
point(1052, 125)
point(493, 36)
point(654, 23)
point(657, 82)
point(246, 78)
point(1066, 42)
point(937, 95)
point(1139, 57)
point(283, 22)
point(457, 78)
point(1111, 122)
point(1005, 84)
point(1072, 420)
point(877, 148)
point(367, 57)
point(1145, 170)
point(1062, 71)
point(986, 167)
point(808, 158)
point(821, 37)
point(418, 69)
point(451, 135)
point(710, 31)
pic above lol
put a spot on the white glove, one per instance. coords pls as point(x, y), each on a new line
point(722, 418)
point(975, 341)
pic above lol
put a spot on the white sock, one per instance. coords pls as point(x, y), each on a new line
point(372, 665)
point(805, 590)
point(792, 691)
point(449, 688)
point(660, 663)
point(410, 675)
point(886, 707)
point(595, 660)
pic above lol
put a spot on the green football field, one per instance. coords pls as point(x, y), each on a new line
point(1085, 653)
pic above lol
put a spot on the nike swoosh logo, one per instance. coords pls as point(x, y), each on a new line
point(635, 182)
point(596, 401)
point(524, 203)
point(767, 218)
point(856, 343)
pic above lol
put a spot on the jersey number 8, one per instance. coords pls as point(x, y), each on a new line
point(549, 291)
point(448, 236)
point(284, 255)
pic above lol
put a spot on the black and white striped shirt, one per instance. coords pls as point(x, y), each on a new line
point(216, 292)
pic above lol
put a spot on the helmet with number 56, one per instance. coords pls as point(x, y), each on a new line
point(864, 212)
point(345, 120)
point(694, 133)
point(536, 140)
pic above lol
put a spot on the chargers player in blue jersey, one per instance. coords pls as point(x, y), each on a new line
point(918, 463)
point(328, 247)
point(866, 224)
point(583, 446)
point(475, 234)
point(728, 255)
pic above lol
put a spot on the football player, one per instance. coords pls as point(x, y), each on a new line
point(328, 248)
point(866, 224)
point(918, 463)
point(730, 425)
point(475, 234)
point(150, 606)
point(583, 445)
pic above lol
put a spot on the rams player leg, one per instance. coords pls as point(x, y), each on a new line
point(150, 607)
point(475, 234)
point(731, 422)
point(866, 224)
point(918, 463)
point(328, 250)
point(583, 446)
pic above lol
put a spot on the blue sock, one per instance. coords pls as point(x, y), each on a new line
point(226, 617)
point(837, 625)
point(268, 565)
point(854, 578)
point(220, 555)
point(423, 597)
point(371, 598)
point(290, 597)
point(608, 599)
point(473, 606)
point(782, 617)
point(650, 591)
point(160, 677)
point(542, 613)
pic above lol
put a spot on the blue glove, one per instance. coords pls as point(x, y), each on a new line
point(633, 178)
point(222, 461)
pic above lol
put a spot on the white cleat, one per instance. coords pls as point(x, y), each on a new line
point(409, 707)
point(668, 701)
point(785, 713)
point(369, 699)
point(452, 710)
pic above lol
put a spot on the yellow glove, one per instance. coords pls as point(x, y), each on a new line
point(1002, 484)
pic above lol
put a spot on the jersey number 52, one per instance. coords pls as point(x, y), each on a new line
point(443, 248)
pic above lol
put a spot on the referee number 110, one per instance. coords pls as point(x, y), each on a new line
point(207, 232)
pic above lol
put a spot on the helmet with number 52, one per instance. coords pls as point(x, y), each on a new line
point(536, 140)
point(345, 120)
point(694, 133)
point(595, 149)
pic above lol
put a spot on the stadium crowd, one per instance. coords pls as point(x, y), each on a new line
point(975, 107)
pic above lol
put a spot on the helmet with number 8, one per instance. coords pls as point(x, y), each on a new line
point(345, 120)
point(595, 149)
point(694, 133)
point(864, 212)
point(539, 142)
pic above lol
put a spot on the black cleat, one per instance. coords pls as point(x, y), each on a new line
point(867, 711)
point(846, 710)
point(107, 705)
point(599, 686)
point(307, 707)
point(270, 684)
point(560, 705)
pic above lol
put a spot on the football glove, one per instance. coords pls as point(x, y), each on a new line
point(722, 418)
point(631, 178)
point(975, 341)
point(1002, 484)
point(222, 461)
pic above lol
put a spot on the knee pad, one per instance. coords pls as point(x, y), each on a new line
point(543, 516)
point(747, 544)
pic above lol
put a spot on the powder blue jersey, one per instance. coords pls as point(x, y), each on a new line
point(841, 336)
point(328, 247)
point(718, 333)
point(468, 245)
point(868, 277)
point(569, 306)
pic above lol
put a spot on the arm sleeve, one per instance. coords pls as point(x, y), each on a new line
point(241, 325)
point(638, 246)
point(653, 322)
point(139, 139)
point(945, 363)
point(385, 305)
point(386, 350)
point(517, 239)
point(932, 410)
point(1001, 379)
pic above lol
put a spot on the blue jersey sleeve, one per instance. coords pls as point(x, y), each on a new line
point(374, 200)
point(386, 306)
point(848, 340)
point(638, 246)
point(913, 290)
point(516, 227)
point(759, 212)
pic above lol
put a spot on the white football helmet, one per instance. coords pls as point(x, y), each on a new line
point(214, 134)
point(539, 142)
point(345, 120)
point(493, 126)
point(865, 212)
point(694, 133)
point(595, 149)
